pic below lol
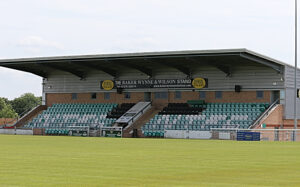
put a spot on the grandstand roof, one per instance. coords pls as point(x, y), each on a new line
point(113, 64)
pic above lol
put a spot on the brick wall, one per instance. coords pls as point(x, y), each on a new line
point(86, 98)
point(275, 119)
point(25, 119)
point(4, 121)
point(289, 124)
point(227, 96)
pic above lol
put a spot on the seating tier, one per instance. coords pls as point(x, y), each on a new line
point(214, 115)
point(62, 116)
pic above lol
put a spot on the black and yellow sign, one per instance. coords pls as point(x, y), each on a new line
point(107, 84)
point(197, 83)
point(298, 93)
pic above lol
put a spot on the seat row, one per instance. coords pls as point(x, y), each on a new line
point(85, 105)
point(214, 115)
point(117, 112)
point(66, 125)
point(234, 109)
point(73, 116)
point(79, 109)
point(56, 131)
point(157, 134)
point(236, 105)
point(191, 127)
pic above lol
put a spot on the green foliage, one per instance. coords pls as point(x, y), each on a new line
point(18, 106)
point(2, 104)
point(26, 102)
point(5, 100)
point(6, 110)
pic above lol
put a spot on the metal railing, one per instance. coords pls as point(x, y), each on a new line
point(264, 134)
point(23, 115)
point(264, 114)
point(19, 117)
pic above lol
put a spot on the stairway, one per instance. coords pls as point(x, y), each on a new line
point(128, 132)
point(30, 115)
point(273, 117)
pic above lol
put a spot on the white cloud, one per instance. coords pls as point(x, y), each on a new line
point(36, 44)
point(56, 27)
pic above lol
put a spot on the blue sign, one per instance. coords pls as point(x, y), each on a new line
point(248, 136)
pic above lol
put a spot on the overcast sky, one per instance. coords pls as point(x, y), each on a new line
point(34, 28)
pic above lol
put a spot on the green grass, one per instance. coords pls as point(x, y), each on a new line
point(78, 161)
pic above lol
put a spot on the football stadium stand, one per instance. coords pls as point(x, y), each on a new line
point(181, 116)
point(60, 118)
point(191, 93)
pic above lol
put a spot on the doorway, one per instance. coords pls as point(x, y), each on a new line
point(274, 96)
point(147, 96)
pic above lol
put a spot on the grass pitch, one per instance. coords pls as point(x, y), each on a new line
point(77, 161)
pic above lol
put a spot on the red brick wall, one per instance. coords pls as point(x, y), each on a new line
point(228, 96)
point(275, 118)
point(86, 98)
point(289, 124)
point(31, 115)
point(4, 121)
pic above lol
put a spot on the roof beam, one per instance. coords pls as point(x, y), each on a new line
point(180, 68)
point(142, 69)
point(39, 72)
point(68, 69)
point(106, 70)
point(274, 66)
point(225, 69)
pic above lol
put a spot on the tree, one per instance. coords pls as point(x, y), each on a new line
point(2, 103)
point(5, 100)
point(8, 112)
point(24, 103)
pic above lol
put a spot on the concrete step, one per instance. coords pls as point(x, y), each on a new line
point(128, 133)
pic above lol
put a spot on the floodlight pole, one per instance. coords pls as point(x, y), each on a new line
point(295, 81)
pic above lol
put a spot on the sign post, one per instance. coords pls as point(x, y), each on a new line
point(295, 81)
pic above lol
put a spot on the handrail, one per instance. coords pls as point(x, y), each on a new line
point(137, 115)
point(266, 112)
point(95, 126)
point(16, 119)
point(28, 110)
point(237, 129)
point(22, 115)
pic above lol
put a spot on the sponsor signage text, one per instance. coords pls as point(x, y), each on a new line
point(197, 83)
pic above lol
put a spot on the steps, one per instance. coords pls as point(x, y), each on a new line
point(273, 117)
point(30, 115)
point(128, 132)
